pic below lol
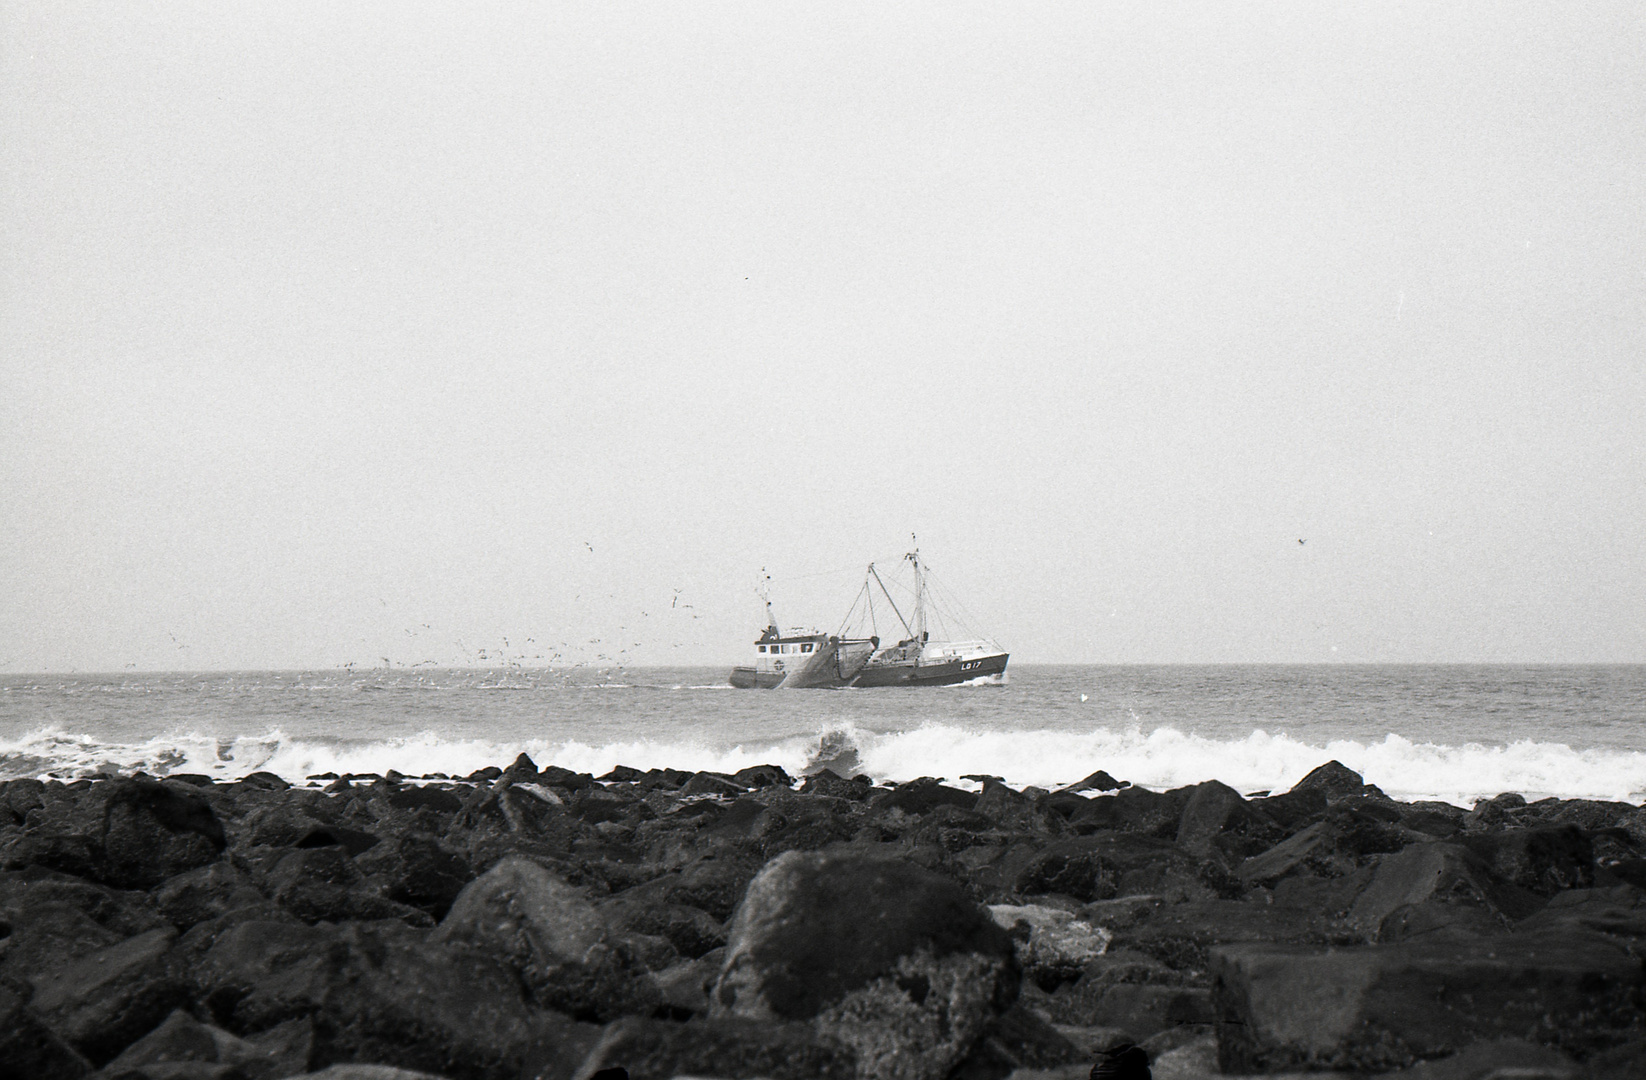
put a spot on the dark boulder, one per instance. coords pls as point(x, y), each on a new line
point(204, 893)
point(1434, 886)
point(353, 841)
point(692, 931)
point(1216, 820)
point(825, 782)
point(1098, 781)
point(1544, 859)
point(434, 799)
point(1376, 1008)
point(152, 831)
point(707, 783)
point(379, 992)
point(921, 797)
point(1133, 809)
point(1295, 809)
point(880, 955)
point(760, 776)
point(1182, 936)
point(729, 1048)
point(323, 883)
point(556, 939)
point(522, 771)
point(44, 936)
point(181, 1038)
point(1009, 809)
point(417, 871)
point(104, 1000)
point(265, 781)
point(29, 1050)
point(129, 833)
point(1109, 864)
point(1333, 779)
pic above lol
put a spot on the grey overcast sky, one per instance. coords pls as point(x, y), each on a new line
point(346, 332)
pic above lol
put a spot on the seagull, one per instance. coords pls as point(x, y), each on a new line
point(1303, 541)
point(588, 545)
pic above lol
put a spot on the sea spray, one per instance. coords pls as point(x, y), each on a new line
point(1162, 758)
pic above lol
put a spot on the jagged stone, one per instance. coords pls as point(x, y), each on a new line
point(1098, 781)
point(1052, 945)
point(182, 1039)
point(418, 871)
point(921, 797)
point(1453, 886)
point(323, 883)
point(380, 992)
point(103, 1000)
point(879, 955)
point(825, 782)
point(759, 776)
point(204, 893)
point(1376, 1008)
point(1333, 779)
point(707, 783)
point(1181, 936)
point(1109, 864)
point(29, 1050)
point(1133, 809)
point(1543, 859)
point(1216, 818)
point(726, 1048)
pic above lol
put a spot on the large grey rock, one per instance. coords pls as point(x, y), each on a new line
point(1217, 819)
point(557, 940)
point(879, 955)
point(1376, 1008)
point(29, 1050)
point(131, 833)
point(324, 883)
point(1543, 859)
point(520, 909)
point(1132, 993)
point(1108, 864)
point(381, 992)
point(726, 1048)
point(106, 999)
point(1333, 779)
point(1053, 945)
point(1181, 936)
point(204, 893)
point(1436, 886)
point(44, 937)
point(181, 1038)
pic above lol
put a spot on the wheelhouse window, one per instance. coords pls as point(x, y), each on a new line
point(806, 648)
point(762, 648)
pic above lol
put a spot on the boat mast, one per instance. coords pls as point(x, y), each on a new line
point(887, 593)
point(765, 591)
point(919, 630)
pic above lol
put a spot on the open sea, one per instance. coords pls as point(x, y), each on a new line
point(1418, 731)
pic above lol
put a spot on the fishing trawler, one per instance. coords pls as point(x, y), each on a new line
point(812, 659)
point(801, 659)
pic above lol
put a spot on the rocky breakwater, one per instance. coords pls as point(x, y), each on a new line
point(547, 925)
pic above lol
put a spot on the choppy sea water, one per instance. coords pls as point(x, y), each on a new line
point(1417, 731)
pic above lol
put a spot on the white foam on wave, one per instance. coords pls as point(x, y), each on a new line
point(1162, 758)
point(1166, 757)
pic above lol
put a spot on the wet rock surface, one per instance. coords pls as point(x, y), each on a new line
point(530, 922)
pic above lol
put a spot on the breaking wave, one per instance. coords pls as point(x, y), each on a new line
point(1162, 758)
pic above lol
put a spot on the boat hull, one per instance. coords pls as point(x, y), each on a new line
point(944, 673)
point(835, 664)
point(747, 678)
